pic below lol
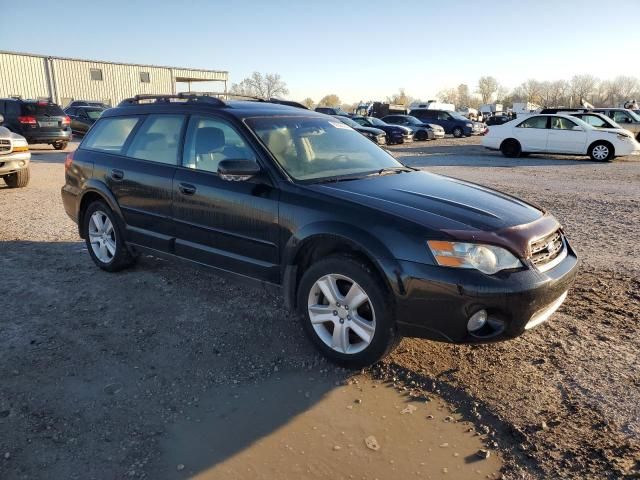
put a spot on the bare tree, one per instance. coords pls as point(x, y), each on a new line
point(623, 88)
point(400, 98)
point(582, 88)
point(331, 100)
point(531, 91)
point(258, 85)
point(308, 102)
point(449, 95)
point(487, 87)
point(464, 97)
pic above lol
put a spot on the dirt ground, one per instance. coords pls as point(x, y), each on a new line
point(166, 371)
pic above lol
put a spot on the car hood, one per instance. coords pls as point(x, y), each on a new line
point(435, 201)
point(375, 131)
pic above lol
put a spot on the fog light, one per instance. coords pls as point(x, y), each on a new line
point(477, 321)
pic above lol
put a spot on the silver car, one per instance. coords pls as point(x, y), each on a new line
point(627, 119)
point(14, 158)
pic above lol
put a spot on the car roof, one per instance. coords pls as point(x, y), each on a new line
point(237, 108)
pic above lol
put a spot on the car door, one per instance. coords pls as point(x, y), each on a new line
point(445, 121)
point(532, 133)
point(232, 225)
point(137, 157)
point(566, 136)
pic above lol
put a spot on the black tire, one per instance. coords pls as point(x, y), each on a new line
point(601, 152)
point(524, 154)
point(60, 145)
point(511, 148)
point(385, 337)
point(19, 179)
point(122, 258)
point(457, 132)
point(421, 136)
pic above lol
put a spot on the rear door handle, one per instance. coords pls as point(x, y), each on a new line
point(117, 174)
point(187, 188)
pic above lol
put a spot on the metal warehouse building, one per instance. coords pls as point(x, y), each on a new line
point(66, 79)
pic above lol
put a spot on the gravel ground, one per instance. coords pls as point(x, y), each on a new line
point(98, 367)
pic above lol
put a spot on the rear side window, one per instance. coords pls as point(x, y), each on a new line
point(534, 122)
point(110, 134)
point(37, 109)
point(158, 139)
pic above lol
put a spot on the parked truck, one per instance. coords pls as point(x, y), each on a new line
point(379, 109)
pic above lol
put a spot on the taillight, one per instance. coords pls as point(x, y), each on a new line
point(27, 120)
point(66, 121)
point(68, 161)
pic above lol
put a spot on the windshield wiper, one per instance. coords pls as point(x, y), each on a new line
point(391, 170)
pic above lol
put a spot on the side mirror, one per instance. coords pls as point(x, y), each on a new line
point(239, 170)
point(1, 119)
point(577, 128)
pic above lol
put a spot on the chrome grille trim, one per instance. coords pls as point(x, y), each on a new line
point(5, 146)
point(548, 251)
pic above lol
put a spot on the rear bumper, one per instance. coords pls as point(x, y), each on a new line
point(49, 137)
point(439, 301)
point(13, 162)
point(70, 202)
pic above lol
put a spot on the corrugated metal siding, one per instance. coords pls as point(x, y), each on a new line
point(23, 75)
point(27, 75)
point(73, 80)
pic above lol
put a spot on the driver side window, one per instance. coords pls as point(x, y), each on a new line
point(620, 117)
point(444, 116)
point(209, 141)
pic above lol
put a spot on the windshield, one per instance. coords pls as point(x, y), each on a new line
point(634, 115)
point(413, 120)
point(376, 121)
point(457, 116)
point(316, 148)
point(348, 121)
point(93, 114)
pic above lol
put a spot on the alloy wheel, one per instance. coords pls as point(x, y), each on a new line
point(341, 314)
point(102, 236)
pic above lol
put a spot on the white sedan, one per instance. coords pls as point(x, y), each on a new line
point(559, 133)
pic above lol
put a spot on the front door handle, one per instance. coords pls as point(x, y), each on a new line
point(117, 174)
point(187, 188)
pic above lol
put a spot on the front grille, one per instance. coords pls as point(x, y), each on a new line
point(547, 249)
point(5, 146)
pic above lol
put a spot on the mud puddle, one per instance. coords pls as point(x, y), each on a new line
point(312, 426)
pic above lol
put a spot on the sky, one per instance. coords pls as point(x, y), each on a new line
point(357, 49)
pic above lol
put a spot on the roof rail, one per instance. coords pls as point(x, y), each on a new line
point(196, 97)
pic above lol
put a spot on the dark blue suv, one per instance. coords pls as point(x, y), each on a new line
point(452, 122)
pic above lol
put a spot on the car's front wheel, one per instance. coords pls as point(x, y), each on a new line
point(601, 152)
point(346, 311)
point(60, 145)
point(457, 132)
point(19, 179)
point(104, 238)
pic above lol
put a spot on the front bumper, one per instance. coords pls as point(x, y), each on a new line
point(438, 301)
point(13, 162)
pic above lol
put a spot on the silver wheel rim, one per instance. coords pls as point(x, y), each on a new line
point(102, 236)
point(600, 152)
point(341, 314)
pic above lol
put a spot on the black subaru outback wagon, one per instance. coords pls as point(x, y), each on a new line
point(363, 247)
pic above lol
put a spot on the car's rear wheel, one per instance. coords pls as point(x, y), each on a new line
point(511, 148)
point(60, 145)
point(457, 132)
point(601, 152)
point(19, 179)
point(104, 238)
point(346, 311)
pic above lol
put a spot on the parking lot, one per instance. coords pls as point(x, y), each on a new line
point(140, 374)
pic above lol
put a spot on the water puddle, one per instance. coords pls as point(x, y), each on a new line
point(300, 427)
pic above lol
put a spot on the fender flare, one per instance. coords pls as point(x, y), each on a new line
point(96, 187)
point(358, 239)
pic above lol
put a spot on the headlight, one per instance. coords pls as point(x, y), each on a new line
point(469, 125)
point(488, 259)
